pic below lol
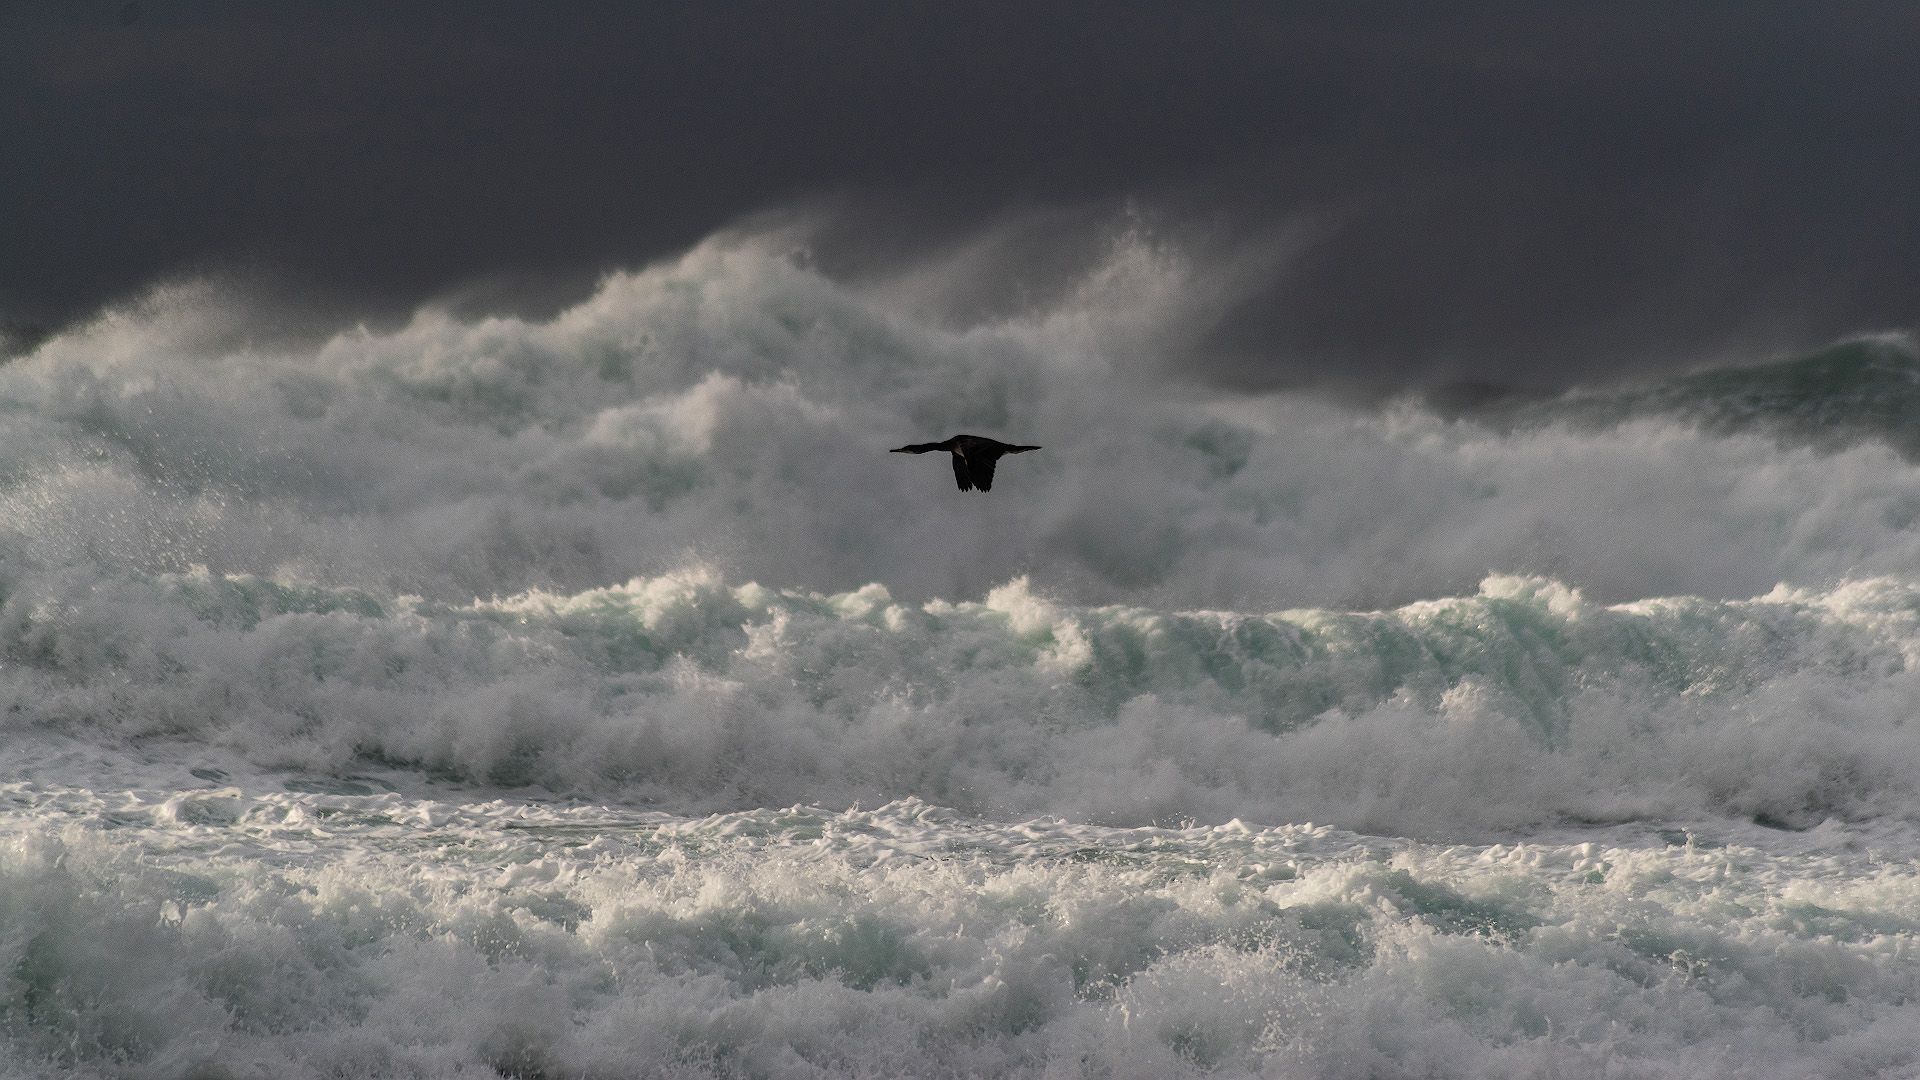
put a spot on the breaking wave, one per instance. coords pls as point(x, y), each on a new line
point(731, 410)
point(1864, 390)
point(595, 697)
point(1520, 706)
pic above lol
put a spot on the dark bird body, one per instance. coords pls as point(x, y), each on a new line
point(973, 458)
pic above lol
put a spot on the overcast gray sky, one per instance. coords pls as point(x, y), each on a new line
point(1534, 193)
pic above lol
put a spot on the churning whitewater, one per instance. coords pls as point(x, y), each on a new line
point(595, 697)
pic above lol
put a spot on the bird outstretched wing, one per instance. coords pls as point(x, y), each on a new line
point(961, 475)
point(982, 469)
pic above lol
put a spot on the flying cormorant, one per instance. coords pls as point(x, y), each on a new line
point(973, 458)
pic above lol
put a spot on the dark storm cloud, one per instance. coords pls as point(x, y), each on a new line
point(1533, 192)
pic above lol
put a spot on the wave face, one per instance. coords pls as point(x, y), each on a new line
point(597, 697)
point(1522, 705)
point(1862, 390)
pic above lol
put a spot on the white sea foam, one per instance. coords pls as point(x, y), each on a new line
point(732, 409)
point(420, 704)
point(221, 933)
point(1522, 705)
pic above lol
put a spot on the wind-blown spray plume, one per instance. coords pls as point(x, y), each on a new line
point(574, 697)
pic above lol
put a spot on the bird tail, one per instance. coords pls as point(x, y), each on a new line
point(1020, 449)
point(917, 448)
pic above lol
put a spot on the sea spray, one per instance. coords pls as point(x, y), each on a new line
point(315, 935)
point(1522, 705)
point(732, 409)
point(595, 697)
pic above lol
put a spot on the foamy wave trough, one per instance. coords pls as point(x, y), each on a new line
point(217, 933)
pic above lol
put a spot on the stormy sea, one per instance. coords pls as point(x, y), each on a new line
point(592, 695)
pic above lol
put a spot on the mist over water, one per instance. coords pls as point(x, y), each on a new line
point(596, 697)
point(728, 411)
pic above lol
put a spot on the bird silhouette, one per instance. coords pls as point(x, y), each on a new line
point(973, 458)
